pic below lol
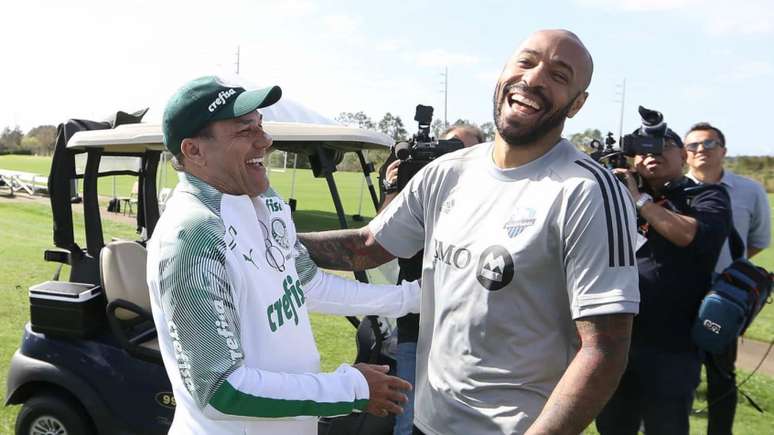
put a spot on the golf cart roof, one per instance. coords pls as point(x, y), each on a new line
point(288, 136)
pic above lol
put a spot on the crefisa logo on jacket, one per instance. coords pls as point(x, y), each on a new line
point(521, 219)
point(495, 268)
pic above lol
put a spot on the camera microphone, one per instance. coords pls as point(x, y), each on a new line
point(402, 150)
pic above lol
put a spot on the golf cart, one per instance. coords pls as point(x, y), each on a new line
point(89, 361)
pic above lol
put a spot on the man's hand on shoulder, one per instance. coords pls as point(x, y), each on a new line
point(385, 394)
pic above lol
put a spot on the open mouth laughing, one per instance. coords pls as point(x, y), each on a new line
point(522, 101)
point(255, 162)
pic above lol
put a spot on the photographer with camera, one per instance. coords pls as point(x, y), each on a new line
point(682, 227)
point(410, 269)
point(706, 146)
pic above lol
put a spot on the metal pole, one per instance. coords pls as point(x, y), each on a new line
point(445, 96)
point(623, 104)
point(362, 188)
point(293, 176)
point(237, 60)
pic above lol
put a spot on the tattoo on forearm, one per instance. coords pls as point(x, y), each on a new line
point(344, 249)
point(591, 378)
point(605, 334)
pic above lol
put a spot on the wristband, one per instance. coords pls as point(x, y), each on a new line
point(389, 187)
point(644, 199)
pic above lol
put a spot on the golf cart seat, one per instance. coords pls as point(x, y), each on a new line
point(122, 270)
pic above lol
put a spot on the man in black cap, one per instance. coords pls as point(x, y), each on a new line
point(681, 230)
point(231, 286)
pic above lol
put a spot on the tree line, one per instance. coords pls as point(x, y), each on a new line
point(39, 140)
point(393, 126)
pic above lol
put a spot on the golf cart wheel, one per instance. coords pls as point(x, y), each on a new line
point(52, 415)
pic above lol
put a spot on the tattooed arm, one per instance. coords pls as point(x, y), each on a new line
point(591, 378)
point(345, 249)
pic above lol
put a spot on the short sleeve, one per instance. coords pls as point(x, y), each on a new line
point(760, 223)
point(599, 233)
point(400, 227)
point(712, 210)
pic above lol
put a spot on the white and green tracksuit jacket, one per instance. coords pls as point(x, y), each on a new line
point(230, 291)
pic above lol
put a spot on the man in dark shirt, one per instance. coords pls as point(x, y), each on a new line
point(682, 229)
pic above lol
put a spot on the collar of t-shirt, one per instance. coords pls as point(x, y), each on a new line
point(726, 179)
point(525, 170)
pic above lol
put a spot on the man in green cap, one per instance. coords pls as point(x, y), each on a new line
point(231, 286)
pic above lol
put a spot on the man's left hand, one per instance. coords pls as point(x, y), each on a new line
point(627, 176)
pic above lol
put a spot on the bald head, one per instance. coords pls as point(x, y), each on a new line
point(565, 46)
point(542, 85)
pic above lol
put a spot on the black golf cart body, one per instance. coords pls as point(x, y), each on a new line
point(106, 371)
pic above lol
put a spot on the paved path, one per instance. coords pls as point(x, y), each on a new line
point(750, 354)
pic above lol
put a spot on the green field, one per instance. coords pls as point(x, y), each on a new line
point(25, 231)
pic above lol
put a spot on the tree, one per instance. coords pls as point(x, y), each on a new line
point(359, 120)
point(393, 127)
point(437, 127)
point(45, 136)
point(488, 128)
point(583, 139)
point(464, 122)
point(10, 140)
point(33, 145)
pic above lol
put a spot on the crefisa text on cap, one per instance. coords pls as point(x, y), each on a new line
point(222, 97)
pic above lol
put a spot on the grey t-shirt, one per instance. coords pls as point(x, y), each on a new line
point(751, 210)
point(511, 258)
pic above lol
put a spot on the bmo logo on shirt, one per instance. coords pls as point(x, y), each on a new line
point(494, 269)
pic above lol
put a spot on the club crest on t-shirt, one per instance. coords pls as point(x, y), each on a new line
point(519, 220)
point(495, 268)
point(279, 232)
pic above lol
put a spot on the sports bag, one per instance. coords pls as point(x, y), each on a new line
point(736, 296)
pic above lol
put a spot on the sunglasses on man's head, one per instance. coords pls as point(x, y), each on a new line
point(708, 144)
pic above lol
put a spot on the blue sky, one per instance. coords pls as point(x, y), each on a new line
point(695, 60)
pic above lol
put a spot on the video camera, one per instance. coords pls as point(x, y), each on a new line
point(606, 155)
point(422, 148)
point(648, 139)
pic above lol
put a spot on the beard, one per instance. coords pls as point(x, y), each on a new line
point(511, 134)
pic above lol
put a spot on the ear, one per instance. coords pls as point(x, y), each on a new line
point(723, 152)
point(577, 104)
point(193, 151)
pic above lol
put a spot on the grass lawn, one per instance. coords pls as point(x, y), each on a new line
point(25, 231)
point(311, 194)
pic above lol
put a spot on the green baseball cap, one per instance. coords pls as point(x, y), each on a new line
point(208, 99)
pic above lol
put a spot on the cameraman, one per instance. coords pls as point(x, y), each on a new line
point(682, 228)
point(411, 270)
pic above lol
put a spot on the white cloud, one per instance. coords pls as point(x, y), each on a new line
point(342, 26)
point(488, 77)
point(639, 5)
point(719, 17)
point(696, 92)
point(439, 57)
point(390, 45)
point(749, 70)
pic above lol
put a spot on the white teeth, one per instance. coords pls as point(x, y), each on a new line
point(525, 101)
point(255, 161)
